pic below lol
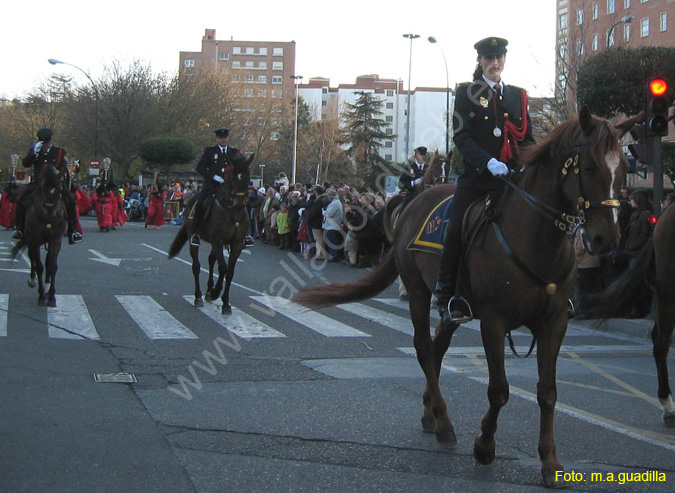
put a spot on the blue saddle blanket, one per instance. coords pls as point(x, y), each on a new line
point(431, 234)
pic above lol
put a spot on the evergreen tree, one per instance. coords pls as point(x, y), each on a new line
point(364, 133)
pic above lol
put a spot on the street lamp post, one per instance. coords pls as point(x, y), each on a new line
point(53, 61)
point(626, 19)
point(295, 129)
point(432, 40)
point(106, 167)
point(407, 116)
point(262, 175)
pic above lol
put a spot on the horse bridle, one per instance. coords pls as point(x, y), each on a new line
point(563, 221)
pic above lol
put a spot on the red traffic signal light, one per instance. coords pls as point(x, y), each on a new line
point(657, 107)
point(658, 87)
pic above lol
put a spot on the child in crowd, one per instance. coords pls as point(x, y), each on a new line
point(284, 227)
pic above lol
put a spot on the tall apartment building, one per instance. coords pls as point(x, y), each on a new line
point(585, 27)
point(265, 67)
point(427, 110)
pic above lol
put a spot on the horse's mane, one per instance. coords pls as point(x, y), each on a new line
point(562, 140)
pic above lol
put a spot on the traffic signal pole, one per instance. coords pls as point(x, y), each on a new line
point(657, 169)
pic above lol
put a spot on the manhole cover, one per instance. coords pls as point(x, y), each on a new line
point(115, 377)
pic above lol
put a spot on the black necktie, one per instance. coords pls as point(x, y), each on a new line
point(498, 90)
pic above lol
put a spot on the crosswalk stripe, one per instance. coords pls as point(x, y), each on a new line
point(312, 320)
point(390, 320)
point(153, 319)
point(4, 308)
point(70, 319)
point(240, 323)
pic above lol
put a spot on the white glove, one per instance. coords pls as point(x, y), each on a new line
point(37, 147)
point(416, 182)
point(219, 179)
point(497, 168)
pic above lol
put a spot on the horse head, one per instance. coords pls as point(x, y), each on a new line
point(50, 182)
point(438, 172)
point(241, 175)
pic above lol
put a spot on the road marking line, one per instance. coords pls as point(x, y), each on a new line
point(390, 320)
point(70, 319)
point(153, 319)
point(4, 309)
point(312, 320)
point(240, 323)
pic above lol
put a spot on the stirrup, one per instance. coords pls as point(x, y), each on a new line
point(75, 237)
point(194, 240)
point(17, 235)
point(459, 316)
point(248, 242)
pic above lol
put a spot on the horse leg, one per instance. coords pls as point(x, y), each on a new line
point(442, 339)
point(39, 271)
point(222, 267)
point(209, 282)
point(661, 337)
point(498, 391)
point(231, 264)
point(548, 347)
point(52, 268)
point(196, 267)
point(435, 417)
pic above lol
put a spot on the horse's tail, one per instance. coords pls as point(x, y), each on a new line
point(612, 302)
point(178, 242)
point(388, 218)
point(364, 288)
point(18, 247)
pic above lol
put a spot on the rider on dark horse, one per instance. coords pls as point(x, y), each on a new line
point(413, 174)
point(215, 166)
point(40, 155)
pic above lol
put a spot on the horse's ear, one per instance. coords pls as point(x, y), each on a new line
point(586, 120)
point(250, 159)
point(628, 124)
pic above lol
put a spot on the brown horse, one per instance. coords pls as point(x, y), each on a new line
point(226, 225)
point(519, 270)
point(46, 224)
point(654, 266)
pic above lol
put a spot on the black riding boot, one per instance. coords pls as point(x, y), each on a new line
point(459, 311)
point(73, 235)
point(196, 220)
point(20, 220)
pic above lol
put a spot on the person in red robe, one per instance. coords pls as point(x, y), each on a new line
point(103, 209)
point(8, 206)
point(84, 202)
point(155, 217)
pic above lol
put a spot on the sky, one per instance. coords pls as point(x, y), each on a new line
point(338, 40)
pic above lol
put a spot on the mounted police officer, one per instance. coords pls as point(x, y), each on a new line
point(40, 155)
point(215, 166)
point(491, 125)
point(413, 174)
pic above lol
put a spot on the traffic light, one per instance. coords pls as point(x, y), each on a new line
point(641, 148)
point(657, 107)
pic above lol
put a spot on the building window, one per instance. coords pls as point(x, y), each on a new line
point(262, 79)
point(580, 17)
point(189, 62)
point(390, 106)
point(262, 65)
point(388, 144)
point(389, 119)
point(389, 131)
point(224, 56)
point(276, 93)
point(626, 4)
point(236, 78)
point(248, 64)
point(388, 157)
point(236, 50)
point(248, 92)
point(594, 42)
point(563, 22)
point(277, 65)
point(324, 103)
point(644, 1)
point(236, 64)
point(610, 6)
point(277, 79)
point(626, 32)
point(262, 50)
point(390, 93)
point(580, 47)
point(250, 50)
point(277, 52)
point(249, 79)
point(262, 93)
point(595, 10)
point(644, 27)
point(664, 21)
point(274, 136)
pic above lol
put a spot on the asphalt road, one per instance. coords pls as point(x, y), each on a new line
point(278, 398)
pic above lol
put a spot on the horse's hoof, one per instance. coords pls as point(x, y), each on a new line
point(51, 303)
point(446, 437)
point(428, 425)
point(226, 310)
point(554, 479)
point(484, 451)
point(199, 303)
point(207, 298)
point(669, 419)
point(32, 282)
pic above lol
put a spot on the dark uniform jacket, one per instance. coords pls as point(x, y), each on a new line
point(412, 171)
point(476, 116)
point(214, 162)
point(54, 155)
